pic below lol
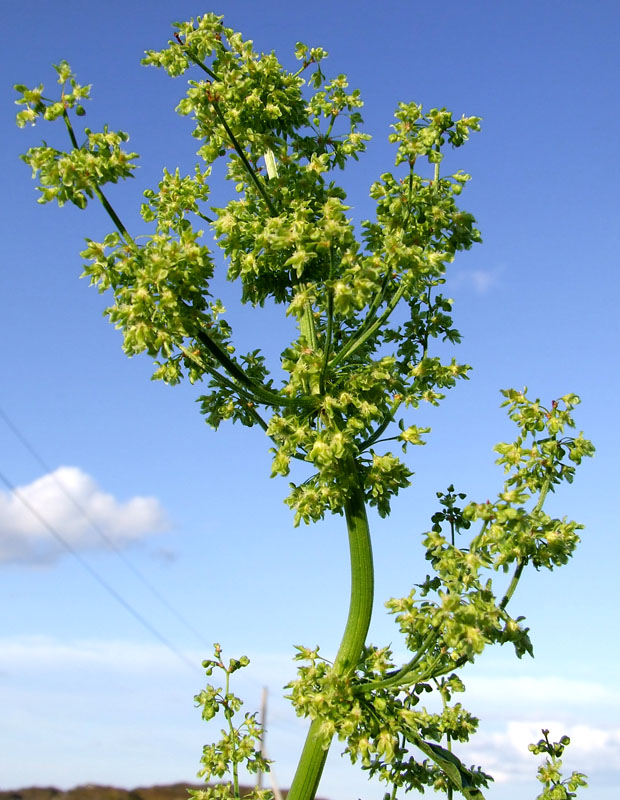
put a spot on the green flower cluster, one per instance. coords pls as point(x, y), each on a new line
point(288, 239)
point(159, 292)
point(177, 196)
point(71, 177)
point(380, 720)
point(238, 745)
point(78, 175)
point(450, 618)
point(38, 106)
point(549, 773)
point(534, 464)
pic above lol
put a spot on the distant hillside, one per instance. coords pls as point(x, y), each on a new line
point(174, 791)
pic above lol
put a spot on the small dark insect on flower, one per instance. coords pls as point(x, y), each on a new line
point(213, 97)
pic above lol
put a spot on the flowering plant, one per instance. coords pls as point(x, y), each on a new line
point(370, 314)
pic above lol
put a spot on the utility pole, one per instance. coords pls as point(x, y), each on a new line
point(263, 722)
point(263, 750)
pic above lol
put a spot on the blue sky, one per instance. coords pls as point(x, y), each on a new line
point(88, 693)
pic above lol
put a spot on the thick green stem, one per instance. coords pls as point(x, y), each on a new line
point(314, 754)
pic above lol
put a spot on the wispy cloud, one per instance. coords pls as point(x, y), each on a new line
point(482, 281)
point(24, 654)
point(71, 502)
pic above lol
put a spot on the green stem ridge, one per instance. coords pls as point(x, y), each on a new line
point(308, 328)
point(314, 754)
point(328, 341)
point(362, 580)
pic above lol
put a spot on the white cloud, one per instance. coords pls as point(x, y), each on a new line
point(480, 280)
point(514, 711)
point(73, 505)
point(504, 753)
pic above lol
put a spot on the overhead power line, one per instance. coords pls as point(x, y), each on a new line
point(106, 539)
point(94, 574)
point(100, 532)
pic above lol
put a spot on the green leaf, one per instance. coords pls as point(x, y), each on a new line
point(459, 775)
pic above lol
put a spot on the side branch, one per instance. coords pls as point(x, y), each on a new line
point(522, 562)
point(248, 167)
point(513, 583)
point(260, 393)
point(405, 675)
point(97, 191)
point(233, 139)
point(364, 333)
